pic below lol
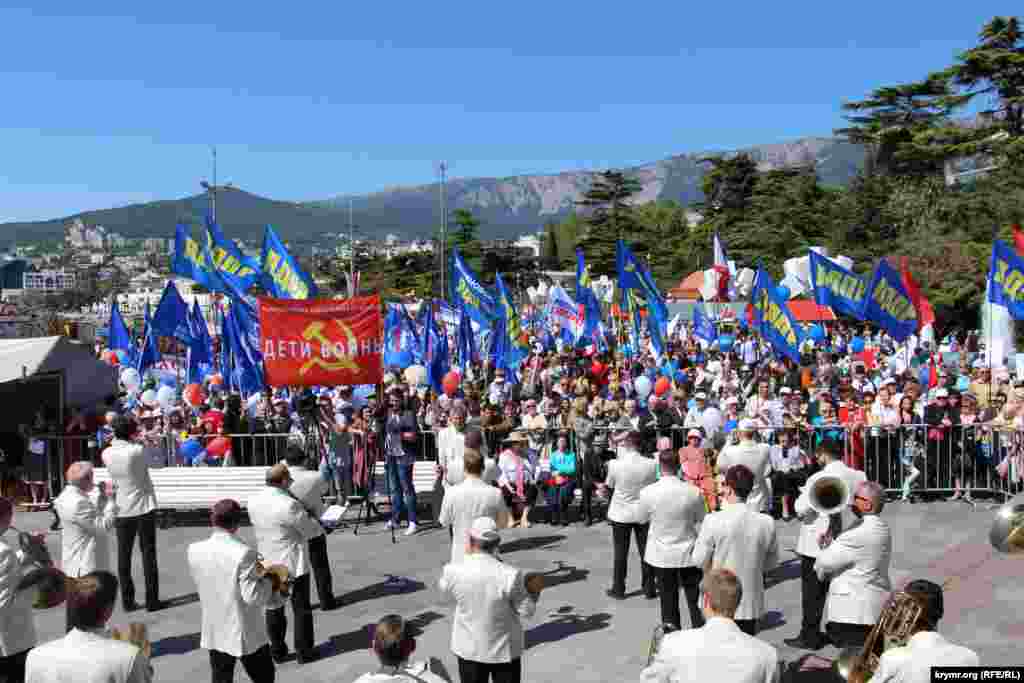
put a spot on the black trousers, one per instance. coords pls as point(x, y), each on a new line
point(143, 526)
point(277, 622)
point(12, 668)
point(813, 593)
point(258, 665)
point(321, 571)
point(620, 540)
point(669, 581)
point(478, 672)
point(848, 635)
point(748, 626)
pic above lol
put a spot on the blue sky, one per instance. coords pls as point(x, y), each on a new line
point(308, 101)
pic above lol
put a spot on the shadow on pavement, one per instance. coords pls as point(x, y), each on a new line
point(176, 645)
point(564, 574)
point(771, 619)
point(361, 638)
point(809, 668)
point(787, 571)
point(186, 599)
point(566, 625)
point(529, 543)
point(393, 585)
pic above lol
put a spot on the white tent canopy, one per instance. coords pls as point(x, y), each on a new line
point(87, 381)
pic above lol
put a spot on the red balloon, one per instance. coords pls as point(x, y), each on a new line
point(193, 395)
point(110, 358)
point(216, 380)
point(450, 383)
point(662, 386)
point(218, 447)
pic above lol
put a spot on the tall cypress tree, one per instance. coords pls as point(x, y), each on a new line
point(608, 218)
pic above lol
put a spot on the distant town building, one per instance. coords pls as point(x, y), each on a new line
point(48, 280)
point(530, 243)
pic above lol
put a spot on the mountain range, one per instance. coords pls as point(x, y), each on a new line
point(506, 207)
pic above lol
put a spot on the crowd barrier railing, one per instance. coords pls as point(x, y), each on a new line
point(933, 459)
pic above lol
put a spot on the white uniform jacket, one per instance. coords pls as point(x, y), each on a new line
point(812, 524)
point(490, 597)
point(913, 662)
point(129, 470)
point(675, 510)
point(87, 657)
point(232, 597)
point(418, 672)
point(627, 475)
point(757, 458)
point(85, 532)
point(465, 502)
point(743, 541)
point(282, 529)
point(309, 487)
point(858, 564)
point(17, 623)
point(717, 651)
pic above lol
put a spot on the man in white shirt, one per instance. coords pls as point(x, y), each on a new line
point(393, 643)
point(309, 487)
point(86, 525)
point(17, 623)
point(913, 662)
point(627, 475)
point(741, 540)
point(815, 533)
point(128, 466)
point(857, 562)
point(283, 527)
point(719, 650)
point(87, 653)
point(490, 597)
point(675, 510)
point(469, 501)
point(756, 457)
point(232, 593)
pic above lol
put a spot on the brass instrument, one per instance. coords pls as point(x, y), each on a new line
point(136, 635)
point(52, 587)
point(534, 583)
point(894, 628)
point(280, 578)
point(1007, 533)
point(829, 495)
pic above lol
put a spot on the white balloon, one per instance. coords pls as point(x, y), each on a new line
point(415, 375)
point(130, 379)
point(148, 397)
point(642, 385)
point(164, 396)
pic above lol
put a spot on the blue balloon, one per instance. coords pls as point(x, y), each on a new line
point(171, 382)
point(189, 449)
point(857, 345)
point(783, 292)
point(121, 354)
point(680, 376)
point(652, 374)
point(726, 341)
point(817, 333)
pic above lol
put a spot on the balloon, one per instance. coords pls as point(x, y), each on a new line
point(680, 377)
point(817, 333)
point(415, 375)
point(148, 397)
point(218, 447)
point(783, 292)
point(726, 341)
point(857, 345)
point(450, 383)
point(194, 395)
point(171, 382)
point(215, 381)
point(662, 386)
point(111, 359)
point(130, 379)
point(189, 449)
point(642, 385)
point(596, 368)
point(164, 396)
point(121, 354)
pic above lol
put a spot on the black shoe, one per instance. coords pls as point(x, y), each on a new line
point(589, 522)
point(305, 657)
point(802, 643)
point(615, 595)
point(156, 606)
point(329, 605)
point(279, 657)
point(131, 607)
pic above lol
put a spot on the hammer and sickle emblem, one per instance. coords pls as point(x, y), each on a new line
point(315, 332)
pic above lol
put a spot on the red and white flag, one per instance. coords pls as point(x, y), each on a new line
point(725, 269)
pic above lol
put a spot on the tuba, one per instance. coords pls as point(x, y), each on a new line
point(52, 585)
point(896, 624)
point(280, 578)
point(1007, 533)
point(828, 495)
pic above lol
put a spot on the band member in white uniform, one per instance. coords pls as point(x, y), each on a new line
point(756, 457)
point(858, 563)
point(719, 650)
point(394, 643)
point(233, 595)
point(465, 502)
point(913, 662)
point(309, 487)
point(742, 541)
point(86, 525)
point(17, 624)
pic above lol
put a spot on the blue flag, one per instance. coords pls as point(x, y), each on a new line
point(150, 352)
point(510, 349)
point(236, 269)
point(467, 341)
point(634, 276)
point(225, 348)
point(247, 370)
point(1005, 279)
point(282, 277)
point(703, 328)
point(192, 260)
point(887, 303)
point(773, 318)
point(171, 318)
point(120, 338)
point(401, 343)
point(837, 287)
point(586, 297)
point(436, 352)
point(464, 289)
point(200, 352)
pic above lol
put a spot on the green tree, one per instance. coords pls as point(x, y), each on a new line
point(464, 237)
point(609, 218)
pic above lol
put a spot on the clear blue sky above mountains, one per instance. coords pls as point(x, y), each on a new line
point(109, 103)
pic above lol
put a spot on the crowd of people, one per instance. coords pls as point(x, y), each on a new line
point(690, 455)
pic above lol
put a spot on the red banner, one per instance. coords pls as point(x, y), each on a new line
point(321, 342)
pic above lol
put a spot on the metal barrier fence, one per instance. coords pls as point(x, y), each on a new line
point(931, 459)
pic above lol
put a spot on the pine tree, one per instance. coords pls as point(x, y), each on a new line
point(609, 218)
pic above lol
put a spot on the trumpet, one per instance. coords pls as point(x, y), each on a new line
point(1007, 533)
point(280, 578)
point(52, 584)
